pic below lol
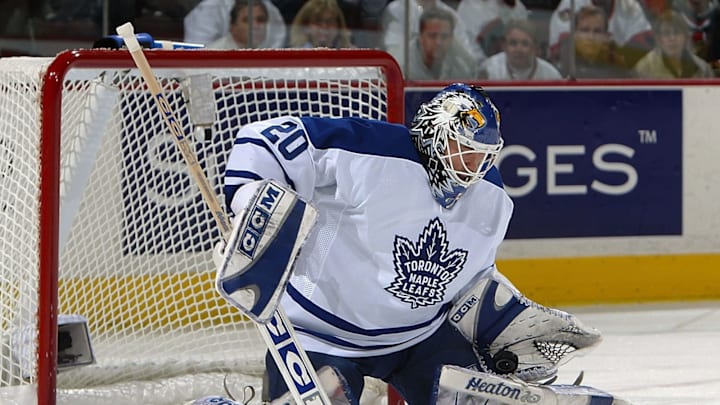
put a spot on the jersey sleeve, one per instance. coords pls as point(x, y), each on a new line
point(276, 149)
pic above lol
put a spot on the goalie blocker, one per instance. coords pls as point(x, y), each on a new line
point(254, 266)
point(511, 334)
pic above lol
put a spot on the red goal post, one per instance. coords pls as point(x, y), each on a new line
point(100, 220)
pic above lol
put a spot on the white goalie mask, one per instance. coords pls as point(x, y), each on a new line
point(458, 135)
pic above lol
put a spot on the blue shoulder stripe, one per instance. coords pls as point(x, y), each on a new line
point(369, 137)
point(229, 190)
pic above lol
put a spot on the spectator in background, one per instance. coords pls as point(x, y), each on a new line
point(362, 18)
point(434, 54)
point(519, 60)
point(703, 19)
point(210, 20)
point(672, 58)
point(596, 54)
point(485, 21)
point(320, 24)
point(393, 22)
point(627, 24)
point(248, 26)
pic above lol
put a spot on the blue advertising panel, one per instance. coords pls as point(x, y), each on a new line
point(589, 162)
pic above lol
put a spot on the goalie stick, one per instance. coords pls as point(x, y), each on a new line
point(278, 334)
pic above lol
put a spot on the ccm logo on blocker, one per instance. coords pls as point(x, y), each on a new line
point(259, 219)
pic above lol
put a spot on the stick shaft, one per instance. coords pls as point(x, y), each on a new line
point(279, 335)
point(176, 129)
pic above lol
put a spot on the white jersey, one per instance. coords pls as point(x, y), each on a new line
point(385, 260)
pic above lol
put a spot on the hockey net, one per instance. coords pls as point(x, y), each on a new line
point(100, 218)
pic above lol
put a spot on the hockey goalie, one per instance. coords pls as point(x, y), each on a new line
point(379, 243)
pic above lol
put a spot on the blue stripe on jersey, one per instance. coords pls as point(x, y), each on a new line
point(229, 190)
point(339, 323)
point(340, 342)
point(361, 136)
point(493, 176)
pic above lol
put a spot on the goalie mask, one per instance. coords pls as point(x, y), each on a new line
point(457, 134)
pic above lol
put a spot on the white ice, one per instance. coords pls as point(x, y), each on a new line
point(653, 354)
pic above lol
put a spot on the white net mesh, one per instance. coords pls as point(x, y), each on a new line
point(19, 206)
point(134, 234)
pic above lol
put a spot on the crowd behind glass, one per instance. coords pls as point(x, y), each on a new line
point(430, 39)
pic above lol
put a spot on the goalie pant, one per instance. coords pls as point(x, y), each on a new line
point(462, 386)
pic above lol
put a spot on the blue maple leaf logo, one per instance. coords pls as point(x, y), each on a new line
point(424, 269)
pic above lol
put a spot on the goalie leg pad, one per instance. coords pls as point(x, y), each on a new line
point(255, 264)
point(512, 334)
point(458, 385)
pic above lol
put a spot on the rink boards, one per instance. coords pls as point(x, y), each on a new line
point(616, 190)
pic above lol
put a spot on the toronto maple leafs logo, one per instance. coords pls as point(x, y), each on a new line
point(424, 269)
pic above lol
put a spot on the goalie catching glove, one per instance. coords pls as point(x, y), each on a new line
point(511, 334)
point(254, 266)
